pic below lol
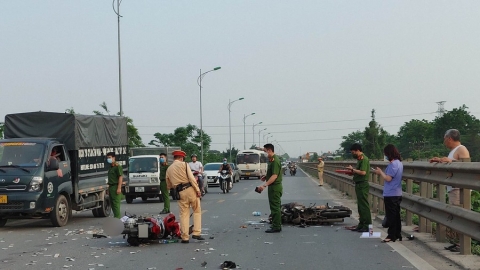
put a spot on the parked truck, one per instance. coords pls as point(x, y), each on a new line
point(144, 173)
point(53, 163)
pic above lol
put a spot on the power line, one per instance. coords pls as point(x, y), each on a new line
point(315, 122)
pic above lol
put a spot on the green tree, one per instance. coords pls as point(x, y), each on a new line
point(226, 154)
point(71, 110)
point(349, 140)
point(467, 124)
point(188, 138)
point(134, 139)
point(375, 139)
point(314, 157)
point(415, 139)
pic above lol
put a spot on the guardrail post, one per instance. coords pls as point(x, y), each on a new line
point(422, 224)
point(466, 202)
point(440, 233)
point(408, 214)
point(371, 198)
point(429, 196)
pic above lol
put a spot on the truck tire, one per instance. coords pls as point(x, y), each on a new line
point(144, 198)
point(160, 197)
point(128, 199)
point(3, 221)
point(105, 210)
point(61, 213)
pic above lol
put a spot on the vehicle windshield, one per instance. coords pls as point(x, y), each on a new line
point(21, 154)
point(212, 167)
point(248, 158)
point(146, 164)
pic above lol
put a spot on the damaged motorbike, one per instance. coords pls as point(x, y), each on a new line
point(298, 214)
point(143, 229)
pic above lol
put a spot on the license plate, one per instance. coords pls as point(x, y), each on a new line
point(139, 189)
point(247, 173)
point(3, 199)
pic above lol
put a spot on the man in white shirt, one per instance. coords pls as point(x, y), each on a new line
point(451, 140)
point(196, 166)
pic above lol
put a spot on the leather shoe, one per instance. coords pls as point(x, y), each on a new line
point(184, 241)
point(273, 230)
point(198, 237)
point(362, 230)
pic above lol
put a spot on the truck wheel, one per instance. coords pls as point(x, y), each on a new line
point(129, 198)
point(144, 198)
point(60, 214)
point(3, 221)
point(160, 197)
point(105, 210)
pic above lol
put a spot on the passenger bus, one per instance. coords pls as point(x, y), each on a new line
point(252, 163)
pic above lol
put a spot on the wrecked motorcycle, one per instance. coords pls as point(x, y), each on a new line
point(143, 229)
point(299, 214)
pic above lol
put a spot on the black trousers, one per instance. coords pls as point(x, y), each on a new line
point(392, 209)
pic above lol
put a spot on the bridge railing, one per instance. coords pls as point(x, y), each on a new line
point(429, 203)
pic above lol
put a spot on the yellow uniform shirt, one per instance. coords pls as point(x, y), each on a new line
point(179, 173)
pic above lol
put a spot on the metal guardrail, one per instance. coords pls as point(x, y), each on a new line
point(430, 177)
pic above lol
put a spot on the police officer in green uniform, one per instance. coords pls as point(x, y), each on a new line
point(163, 183)
point(115, 178)
point(361, 173)
point(275, 189)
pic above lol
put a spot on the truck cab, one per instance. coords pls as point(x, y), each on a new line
point(143, 178)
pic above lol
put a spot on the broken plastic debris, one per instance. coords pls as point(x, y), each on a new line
point(269, 243)
point(56, 255)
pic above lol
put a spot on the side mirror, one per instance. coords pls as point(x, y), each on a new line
point(53, 164)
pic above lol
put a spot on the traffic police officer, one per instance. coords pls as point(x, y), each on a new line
point(180, 177)
point(275, 189)
point(320, 166)
point(115, 179)
point(163, 183)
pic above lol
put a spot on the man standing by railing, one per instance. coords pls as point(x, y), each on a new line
point(361, 173)
point(451, 140)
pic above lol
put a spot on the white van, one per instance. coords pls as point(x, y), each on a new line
point(143, 178)
point(252, 163)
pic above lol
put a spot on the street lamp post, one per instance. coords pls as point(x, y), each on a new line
point(253, 132)
point(269, 137)
point(264, 136)
point(199, 82)
point(259, 136)
point(117, 11)
point(230, 125)
point(244, 117)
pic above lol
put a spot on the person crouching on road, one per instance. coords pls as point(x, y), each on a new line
point(163, 184)
point(180, 177)
point(115, 179)
point(392, 192)
point(275, 188)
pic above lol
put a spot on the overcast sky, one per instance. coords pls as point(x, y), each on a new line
point(311, 71)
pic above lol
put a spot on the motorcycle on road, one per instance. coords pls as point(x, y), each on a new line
point(225, 181)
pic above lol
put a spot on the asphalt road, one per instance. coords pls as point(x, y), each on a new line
point(34, 244)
